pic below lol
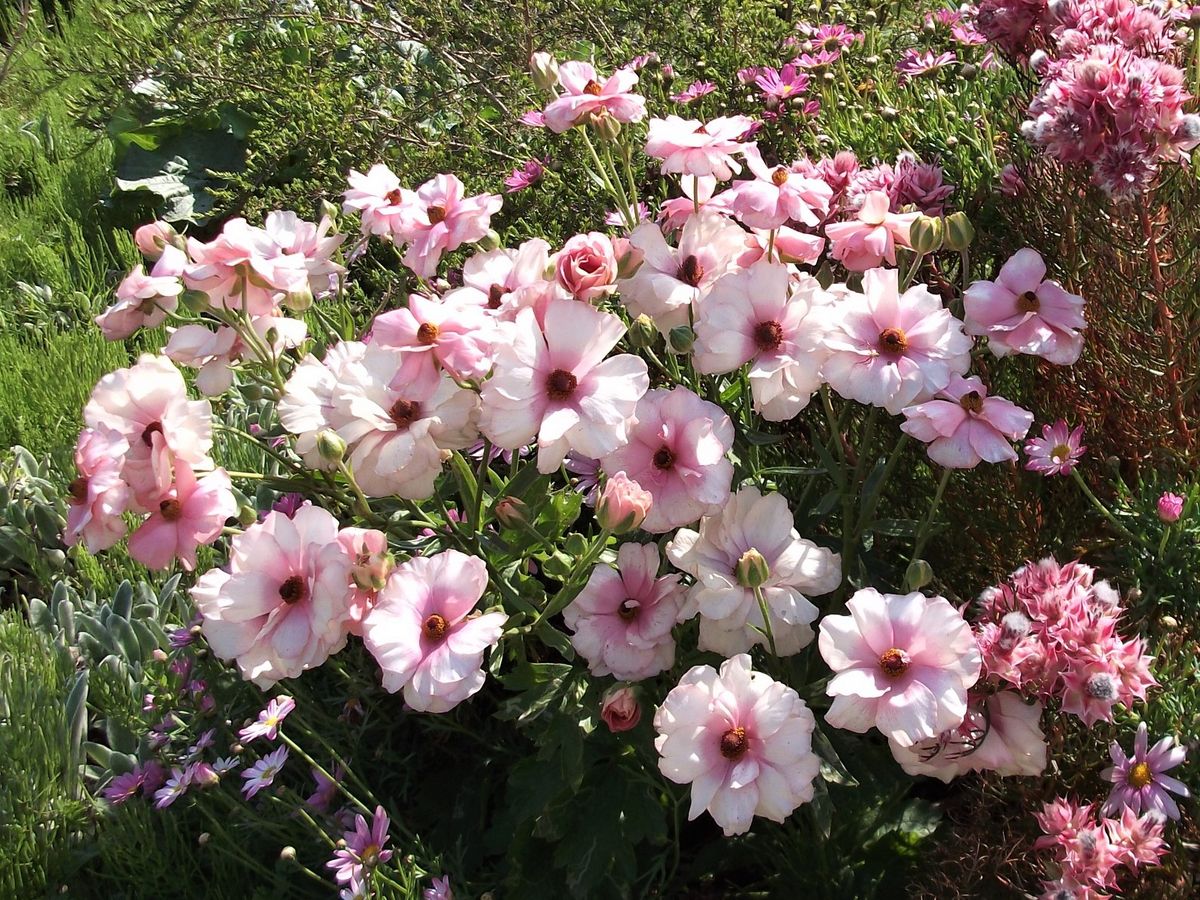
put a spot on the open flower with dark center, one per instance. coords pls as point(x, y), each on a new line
point(191, 515)
point(964, 426)
point(440, 219)
point(457, 333)
point(742, 740)
point(99, 496)
point(586, 93)
point(777, 195)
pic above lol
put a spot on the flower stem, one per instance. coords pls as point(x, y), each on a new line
point(1105, 511)
point(923, 534)
point(766, 615)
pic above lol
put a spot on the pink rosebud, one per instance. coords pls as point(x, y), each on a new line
point(620, 710)
point(586, 267)
point(153, 238)
point(623, 504)
point(1170, 507)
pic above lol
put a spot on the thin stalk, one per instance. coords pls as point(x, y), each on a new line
point(1106, 512)
point(923, 533)
point(766, 616)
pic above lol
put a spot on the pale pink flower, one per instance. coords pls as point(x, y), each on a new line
point(584, 97)
point(622, 619)
point(691, 147)
point(777, 195)
point(283, 606)
point(143, 301)
point(586, 266)
point(963, 426)
point(622, 504)
point(1023, 312)
point(386, 208)
point(192, 513)
point(242, 269)
point(154, 238)
point(442, 220)
point(555, 385)
point(533, 118)
point(1170, 507)
point(1139, 782)
point(871, 238)
point(784, 244)
point(215, 353)
point(757, 528)
point(459, 335)
point(269, 719)
point(306, 253)
point(421, 634)
point(620, 710)
point(694, 91)
point(1057, 451)
point(264, 772)
point(511, 279)
point(368, 550)
point(97, 497)
point(742, 740)
point(677, 446)
point(697, 194)
point(147, 404)
point(760, 315)
point(891, 350)
point(901, 662)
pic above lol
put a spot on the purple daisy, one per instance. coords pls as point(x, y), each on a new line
point(1057, 451)
point(1138, 780)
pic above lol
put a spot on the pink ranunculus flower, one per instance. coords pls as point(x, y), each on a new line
point(785, 245)
point(153, 238)
point(215, 353)
point(1024, 312)
point(387, 209)
point(622, 504)
point(742, 740)
point(98, 496)
point(964, 426)
point(190, 514)
point(143, 301)
point(760, 315)
point(442, 220)
point(871, 238)
point(307, 249)
point(507, 278)
point(622, 619)
point(620, 710)
point(148, 405)
point(584, 97)
point(697, 195)
point(421, 634)
point(586, 266)
point(457, 334)
point(238, 269)
point(901, 662)
point(1170, 507)
point(671, 283)
point(676, 450)
point(555, 384)
point(283, 605)
point(777, 195)
point(889, 349)
point(689, 147)
point(753, 526)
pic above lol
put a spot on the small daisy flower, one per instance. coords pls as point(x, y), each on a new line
point(269, 719)
point(1138, 780)
point(262, 773)
point(1057, 451)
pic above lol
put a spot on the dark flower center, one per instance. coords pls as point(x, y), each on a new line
point(1028, 302)
point(149, 431)
point(436, 214)
point(170, 510)
point(628, 610)
point(561, 384)
point(495, 295)
point(892, 340)
point(435, 627)
point(894, 662)
point(734, 743)
point(79, 490)
point(593, 88)
point(768, 335)
point(971, 402)
point(405, 412)
point(690, 270)
point(427, 333)
point(294, 590)
point(393, 196)
point(779, 176)
point(663, 458)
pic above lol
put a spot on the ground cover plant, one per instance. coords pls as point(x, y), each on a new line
point(600, 451)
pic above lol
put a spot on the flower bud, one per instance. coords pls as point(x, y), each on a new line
point(925, 235)
point(629, 258)
point(642, 333)
point(620, 709)
point(681, 338)
point(918, 574)
point(247, 515)
point(203, 838)
point(622, 505)
point(153, 238)
point(512, 512)
point(1170, 507)
point(545, 70)
point(330, 445)
point(195, 301)
point(205, 776)
point(888, 113)
point(959, 232)
point(327, 210)
point(489, 241)
point(1168, 622)
point(968, 71)
point(299, 301)
point(607, 128)
point(371, 571)
point(159, 654)
point(752, 569)
point(288, 854)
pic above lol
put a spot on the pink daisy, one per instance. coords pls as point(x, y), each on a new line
point(1057, 451)
point(585, 96)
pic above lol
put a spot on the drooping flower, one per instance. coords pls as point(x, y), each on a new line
point(676, 450)
point(323, 795)
point(964, 426)
point(153, 238)
point(622, 619)
point(143, 301)
point(263, 773)
point(269, 719)
point(1139, 781)
point(457, 334)
point(901, 662)
point(1057, 451)
point(368, 550)
point(751, 544)
point(525, 175)
point(555, 384)
point(1023, 312)
point(421, 633)
point(871, 238)
point(742, 740)
point(698, 149)
point(777, 195)
point(190, 514)
point(365, 848)
point(585, 97)
point(620, 710)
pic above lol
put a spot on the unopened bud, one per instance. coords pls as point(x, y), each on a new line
point(918, 574)
point(752, 569)
point(622, 505)
point(203, 838)
point(511, 512)
point(925, 235)
point(629, 257)
point(326, 210)
point(330, 445)
point(195, 301)
point(544, 68)
point(489, 241)
point(159, 654)
point(607, 128)
point(288, 854)
point(642, 333)
point(247, 515)
point(968, 71)
point(888, 114)
point(1168, 622)
point(681, 338)
point(959, 232)
point(297, 301)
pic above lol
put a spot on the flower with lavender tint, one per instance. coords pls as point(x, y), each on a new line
point(914, 63)
point(364, 849)
point(326, 791)
point(694, 91)
point(287, 504)
point(175, 788)
point(1138, 780)
point(201, 774)
point(182, 637)
point(1057, 451)
point(525, 175)
point(122, 787)
point(617, 219)
point(269, 719)
point(587, 476)
point(262, 773)
point(439, 891)
point(206, 740)
point(225, 764)
point(1170, 507)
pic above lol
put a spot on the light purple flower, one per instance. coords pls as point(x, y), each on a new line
point(327, 787)
point(262, 773)
point(269, 719)
point(175, 788)
point(1057, 451)
point(439, 891)
point(1138, 780)
point(364, 849)
point(122, 787)
point(694, 91)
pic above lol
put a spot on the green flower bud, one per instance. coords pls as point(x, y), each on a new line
point(752, 569)
point(511, 512)
point(330, 445)
point(959, 232)
point(489, 241)
point(326, 210)
point(247, 515)
point(681, 338)
point(607, 128)
point(544, 68)
point(918, 574)
point(299, 301)
point(196, 301)
point(642, 333)
point(926, 235)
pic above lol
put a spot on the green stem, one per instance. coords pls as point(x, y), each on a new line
point(582, 565)
point(766, 616)
point(923, 534)
point(1104, 511)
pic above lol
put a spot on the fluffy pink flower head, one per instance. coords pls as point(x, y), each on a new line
point(892, 350)
point(742, 740)
point(1170, 507)
point(776, 195)
point(901, 662)
point(457, 334)
point(97, 497)
point(421, 633)
point(147, 405)
point(871, 238)
point(283, 605)
point(963, 426)
point(585, 98)
point(752, 543)
point(386, 207)
point(555, 384)
point(677, 446)
point(443, 219)
point(622, 619)
point(1138, 839)
point(190, 514)
point(622, 504)
point(1057, 451)
point(1023, 312)
point(620, 710)
point(691, 147)
point(143, 301)
point(586, 266)
point(1139, 781)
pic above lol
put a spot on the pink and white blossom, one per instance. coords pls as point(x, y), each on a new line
point(143, 301)
point(963, 426)
point(871, 238)
point(699, 149)
point(441, 219)
point(386, 207)
point(457, 334)
point(190, 514)
point(98, 497)
point(585, 97)
point(777, 195)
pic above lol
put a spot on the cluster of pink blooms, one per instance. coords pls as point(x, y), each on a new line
point(1051, 632)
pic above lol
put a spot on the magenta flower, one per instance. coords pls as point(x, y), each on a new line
point(439, 891)
point(364, 850)
point(421, 633)
point(124, 786)
point(262, 774)
point(269, 719)
point(871, 238)
point(677, 451)
point(691, 147)
point(525, 175)
point(584, 97)
point(901, 662)
point(1139, 782)
point(1170, 507)
point(742, 740)
point(1022, 312)
point(914, 63)
point(1057, 451)
point(190, 514)
point(964, 426)
point(777, 195)
point(694, 91)
point(781, 84)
